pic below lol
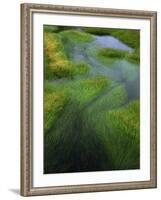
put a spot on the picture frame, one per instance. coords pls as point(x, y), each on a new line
point(29, 87)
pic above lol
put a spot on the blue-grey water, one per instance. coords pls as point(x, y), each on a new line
point(110, 42)
point(121, 71)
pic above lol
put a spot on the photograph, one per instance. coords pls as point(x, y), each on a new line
point(91, 99)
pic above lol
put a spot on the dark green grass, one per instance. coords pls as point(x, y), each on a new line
point(112, 53)
point(56, 29)
point(92, 133)
point(51, 29)
point(73, 147)
point(109, 55)
point(119, 129)
point(69, 140)
point(83, 139)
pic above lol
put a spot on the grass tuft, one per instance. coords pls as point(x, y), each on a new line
point(76, 36)
point(54, 104)
point(57, 65)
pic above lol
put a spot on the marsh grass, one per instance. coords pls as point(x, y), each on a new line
point(109, 55)
point(54, 104)
point(73, 146)
point(129, 37)
point(76, 36)
point(89, 124)
point(70, 139)
point(123, 129)
point(119, 129)
point(57, 65)
point(134, 56)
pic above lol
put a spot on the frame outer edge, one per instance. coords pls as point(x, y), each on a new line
point(22, 170)
point(25, 102)
point(153, 88)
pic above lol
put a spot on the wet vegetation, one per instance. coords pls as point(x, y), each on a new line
point(91, 119)
point(129, 37)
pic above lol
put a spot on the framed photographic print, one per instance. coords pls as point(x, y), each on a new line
point(88, 99)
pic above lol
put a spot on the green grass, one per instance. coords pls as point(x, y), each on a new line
point(109, 55)
point(79, 92)
point(91, 138)
point(57, 65)
point(67, 141)
point(113, 99)
point(76, 36)
point(51, 28)
point(54, 103)
point(134, 56)
point(80, 68)
point(121, 135)
point(83, 90)
point(56, 29)
point(112, 53)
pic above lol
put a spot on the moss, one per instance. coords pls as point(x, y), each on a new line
point(76, 36)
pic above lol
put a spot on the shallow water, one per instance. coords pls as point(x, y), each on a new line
point(110, 42)
point(120, 70)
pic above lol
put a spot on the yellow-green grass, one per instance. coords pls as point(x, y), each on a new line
point(76, 36)
point(56, 64)
point(54, 103)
